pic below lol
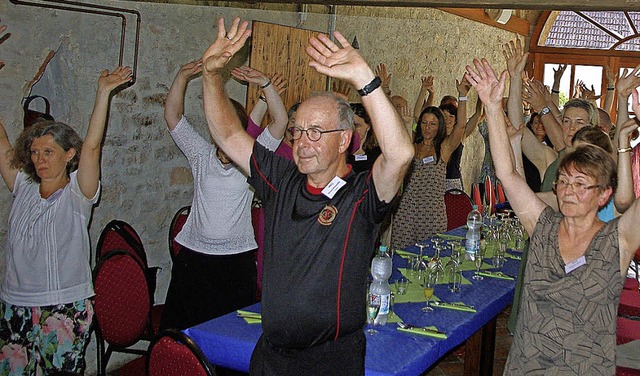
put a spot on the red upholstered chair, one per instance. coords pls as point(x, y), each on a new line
point(500, 193)
point(475, 195)
point(631, 284)
point(177, 223)
point(624, 371)
point(173, 353)
point(628, 330)
point(629, 305)
point(489, 194)
point(118, 234)
point(122, 305)
point(458, 206)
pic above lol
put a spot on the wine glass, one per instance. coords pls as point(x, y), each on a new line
point(428, 285)
point(478, 260)
point(372, 312)
point(421, 246)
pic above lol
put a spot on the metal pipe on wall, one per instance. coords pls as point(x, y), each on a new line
point(89, 8)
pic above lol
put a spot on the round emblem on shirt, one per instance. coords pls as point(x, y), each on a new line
point(327, 215)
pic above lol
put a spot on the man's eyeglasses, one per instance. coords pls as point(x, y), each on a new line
point(578, 187)
point(313, 134)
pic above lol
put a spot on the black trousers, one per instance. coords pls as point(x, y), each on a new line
point(342, 357)
point(204, 287)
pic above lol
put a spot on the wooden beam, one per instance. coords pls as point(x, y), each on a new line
point(584, 5)
point(515, 24)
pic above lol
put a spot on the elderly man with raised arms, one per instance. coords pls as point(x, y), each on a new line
point(321, 218)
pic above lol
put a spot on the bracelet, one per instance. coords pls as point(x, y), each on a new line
point(263, 98)
point(462, 99)
point(611, 88)
point(370, 87)
point(265, 85)
point(625, 150)
point(555, 91)
point(527, 108)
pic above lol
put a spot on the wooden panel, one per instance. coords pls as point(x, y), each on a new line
point(515, 24)
point(629, 5)
point(281, 49)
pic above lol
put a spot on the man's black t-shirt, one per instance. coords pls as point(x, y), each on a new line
point(315, 265)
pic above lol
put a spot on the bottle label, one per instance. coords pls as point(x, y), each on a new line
point(384, 304)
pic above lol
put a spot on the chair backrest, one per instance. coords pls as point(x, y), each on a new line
point(500, 193)
point(177, 223)
point(458, 206)
point(489, 195)
point(122, 302)
point(120, 235)
point(173, 353)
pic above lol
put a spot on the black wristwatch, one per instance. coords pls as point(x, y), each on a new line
point(370, 87)
point(545, 110)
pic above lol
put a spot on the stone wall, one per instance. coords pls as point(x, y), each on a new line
point(145, 178)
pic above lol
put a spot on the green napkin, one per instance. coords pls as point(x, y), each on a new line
point(425, 332)
point(250, 317)
point(392, 318)
point(404, 254)
point(450, 237)
point(458, 306)
point(499, 275)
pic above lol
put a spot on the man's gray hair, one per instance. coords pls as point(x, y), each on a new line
point(345, 113)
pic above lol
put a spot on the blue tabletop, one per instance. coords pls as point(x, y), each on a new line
point(228, 341)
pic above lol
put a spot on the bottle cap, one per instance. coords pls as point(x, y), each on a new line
point(382, 249)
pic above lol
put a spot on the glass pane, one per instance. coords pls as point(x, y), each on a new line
point(629, 69)
point(565, 81)
point(591, 76)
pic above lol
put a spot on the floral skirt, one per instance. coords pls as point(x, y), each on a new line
point(44, 340)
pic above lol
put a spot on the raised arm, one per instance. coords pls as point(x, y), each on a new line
point(629, 236)
point(425, 87)
point(273, 101)
point(8, 173)
point(555, 89)
point(89, 164)
point(474, 120)
point(491, 89)
point(454, 139)
point(625, 195)
point(535, 93)
point(174, 105)
point(345, 63)
point(627, 82)
point(224, 125)
point(607, 101)
point(385, 77)
point(516, 60)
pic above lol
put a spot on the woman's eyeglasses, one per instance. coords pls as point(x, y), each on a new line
point(578, 187)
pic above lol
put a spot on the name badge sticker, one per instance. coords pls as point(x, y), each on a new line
point(575, 264)
point(333, 187)
point(427, 160)
point(360, 157)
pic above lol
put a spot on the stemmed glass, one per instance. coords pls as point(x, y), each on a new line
point(372, 313)
point(478, 260)
point(421, 246)
point(428, 285)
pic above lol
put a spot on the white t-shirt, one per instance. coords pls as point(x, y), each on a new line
point(220, 219)
point(47, 256)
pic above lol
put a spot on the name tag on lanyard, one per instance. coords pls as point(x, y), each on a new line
point(429, 159)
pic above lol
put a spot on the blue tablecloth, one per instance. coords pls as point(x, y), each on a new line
point(228, 341)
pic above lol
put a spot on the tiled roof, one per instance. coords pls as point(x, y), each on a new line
point(571, 30)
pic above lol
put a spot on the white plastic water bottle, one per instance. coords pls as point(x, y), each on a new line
point(474, 223)
point(380, 290)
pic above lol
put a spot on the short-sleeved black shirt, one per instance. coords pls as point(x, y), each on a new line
point(315, 275)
